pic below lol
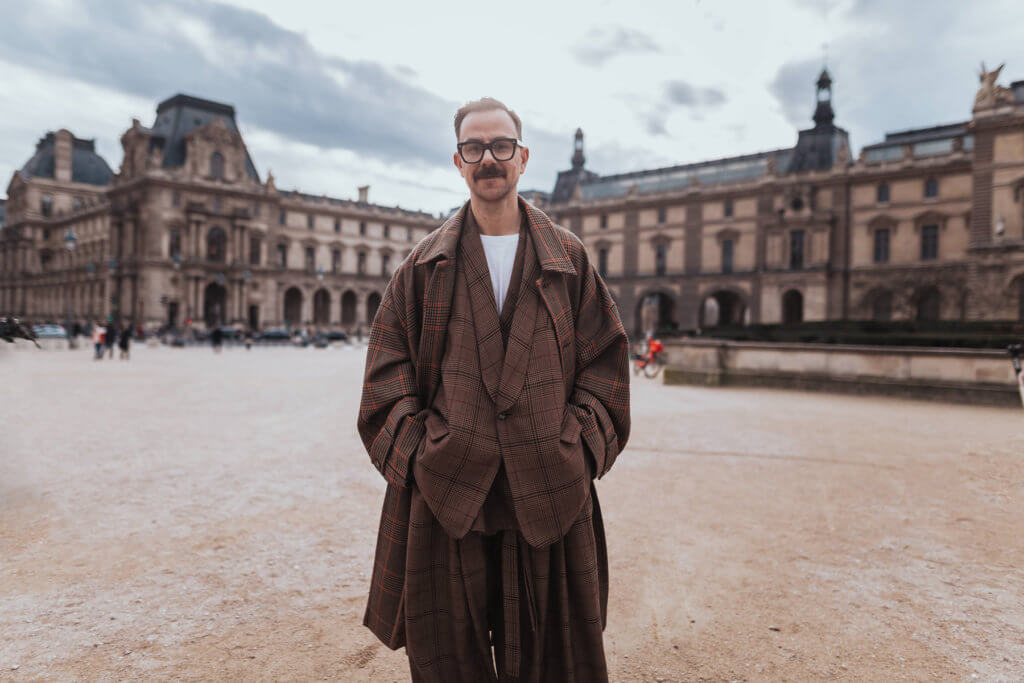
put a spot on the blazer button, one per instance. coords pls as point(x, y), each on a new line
point(502, 415)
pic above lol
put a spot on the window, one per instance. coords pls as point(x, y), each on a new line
point(385, 264)
point(281, 217)
point(796, 249)
point(1020, 298)
point(361, 263)
point(254, 251)
point(255, 208)
point(387, 231)
point(77, 203)
point(727, 247)
point(216, 245)
point(335, 260)
point(409, 236)
point(46, 204)
point(310, 259)
point(174, 244)
point(931, 188)
point(216, 204)
point(217, 166)
point(362, 228)
point(175, 198)
point(882, 193)
point(309, 221)
point(882, 245)
point(604, 221)
point(659, 258)
point(929, 242)
point(727, 208)
point(662, 214)
point(602, 262)
point(337, 225)
point(282, 255)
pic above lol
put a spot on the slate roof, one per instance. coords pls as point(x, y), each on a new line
point(350, 203)
point(86, 165)
point(3, 211)
point(730, 169)
point(177, 115)
point(816, 148)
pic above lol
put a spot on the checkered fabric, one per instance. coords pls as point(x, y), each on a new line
point(445, 401)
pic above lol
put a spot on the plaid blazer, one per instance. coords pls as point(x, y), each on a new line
point(552, 401)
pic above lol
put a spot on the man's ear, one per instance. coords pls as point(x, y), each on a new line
point(457, 160)
point(524, 156)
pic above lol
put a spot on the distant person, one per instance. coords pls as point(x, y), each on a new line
point(217, 339)
point(111, 339)
point(248, 339)
point(125, 342)
point(99, 334)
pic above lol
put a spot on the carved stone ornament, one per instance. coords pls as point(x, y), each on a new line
point(990, 95)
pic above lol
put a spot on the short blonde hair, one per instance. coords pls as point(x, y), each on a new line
point(486, 104)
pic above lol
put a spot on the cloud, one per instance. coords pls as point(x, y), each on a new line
point(273, 76)
point(602, 44)
point(678, 94)
point(793, 88)
point(683, 94)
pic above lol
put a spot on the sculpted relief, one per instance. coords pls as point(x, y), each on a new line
point(989, 94)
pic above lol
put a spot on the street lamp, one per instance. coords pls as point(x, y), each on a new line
point(70, 242)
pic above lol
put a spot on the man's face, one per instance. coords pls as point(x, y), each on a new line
point(489, 179)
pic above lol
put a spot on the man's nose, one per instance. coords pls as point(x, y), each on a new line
point(488, 153)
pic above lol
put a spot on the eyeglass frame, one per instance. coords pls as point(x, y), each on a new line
point(487, 146)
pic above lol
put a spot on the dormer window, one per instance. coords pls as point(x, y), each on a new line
point(217, 166)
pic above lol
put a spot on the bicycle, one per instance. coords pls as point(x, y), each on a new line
point(649, 362)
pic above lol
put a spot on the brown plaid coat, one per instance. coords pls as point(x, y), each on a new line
point(446, 400)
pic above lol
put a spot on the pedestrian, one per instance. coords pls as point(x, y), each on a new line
point(125, 342)
point(98, 339)
point(248, 339)
point(111, 338)
point(217, 339)
point(496, 390)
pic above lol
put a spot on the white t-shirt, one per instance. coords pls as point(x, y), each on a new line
point(501, 259)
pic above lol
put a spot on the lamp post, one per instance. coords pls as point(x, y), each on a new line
point(70, 242)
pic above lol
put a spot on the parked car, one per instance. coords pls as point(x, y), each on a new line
point(336, 336)
point(49, 331)
point(274, 335)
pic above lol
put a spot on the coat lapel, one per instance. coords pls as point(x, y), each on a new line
point(520, 338)
point(482, 307)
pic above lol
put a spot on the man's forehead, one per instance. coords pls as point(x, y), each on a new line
point(487, 124)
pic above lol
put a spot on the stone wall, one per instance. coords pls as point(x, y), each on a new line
point(958, 375)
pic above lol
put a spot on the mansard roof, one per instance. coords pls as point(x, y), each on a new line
point(729, 169)
point(353, 204)
point(178, 115)
point(86, 165)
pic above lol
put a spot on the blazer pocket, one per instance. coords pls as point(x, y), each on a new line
point(436, 428)
point(571, 428)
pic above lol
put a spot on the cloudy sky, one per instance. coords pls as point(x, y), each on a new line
point(334, 95)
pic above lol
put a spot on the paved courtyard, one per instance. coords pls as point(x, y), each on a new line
point(189, 516)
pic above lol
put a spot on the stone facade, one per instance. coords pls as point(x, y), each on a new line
point(187, 230)
point(927, 224)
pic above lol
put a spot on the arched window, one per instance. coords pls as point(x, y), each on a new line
point(216, 245)
point(217, 166)
point(929, 304)
point(792, 307)
point(881, 306)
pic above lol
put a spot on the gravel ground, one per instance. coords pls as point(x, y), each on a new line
point(189, 516)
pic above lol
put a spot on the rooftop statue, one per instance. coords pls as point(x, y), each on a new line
point(989, 94)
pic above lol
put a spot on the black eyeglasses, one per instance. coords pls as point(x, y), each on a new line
point(502, 149)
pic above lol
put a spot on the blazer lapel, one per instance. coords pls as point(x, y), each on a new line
point(520, 337)
point(482, 307)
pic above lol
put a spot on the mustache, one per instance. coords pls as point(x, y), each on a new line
point(489, 172)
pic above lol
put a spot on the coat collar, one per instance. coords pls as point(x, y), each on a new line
point(551, 253)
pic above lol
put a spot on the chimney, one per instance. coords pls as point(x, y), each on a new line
point(364, 193)
point(62, 152)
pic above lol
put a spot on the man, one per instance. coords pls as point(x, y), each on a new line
point(496, 389)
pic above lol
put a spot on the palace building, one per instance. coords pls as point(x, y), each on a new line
point(927, 224)
point(187, 229)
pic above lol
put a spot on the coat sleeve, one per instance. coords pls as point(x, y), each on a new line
point(390, 421)
point(600, 395)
